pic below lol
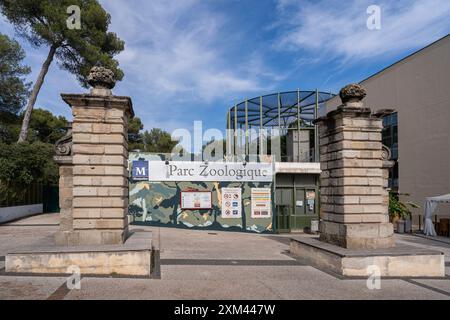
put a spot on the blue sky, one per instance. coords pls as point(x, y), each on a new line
point(188, 60)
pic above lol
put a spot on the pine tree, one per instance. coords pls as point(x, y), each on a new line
point(50, 23)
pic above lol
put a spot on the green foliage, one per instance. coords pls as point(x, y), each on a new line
point(22, 165)
point(135, 138)
point(155, 141)
point(9, 127)
point(158, 141)
point(400, 209)
point(13, 88)
point(44, 22)
point(135, 126)
point(26, 164)
point(46, 127)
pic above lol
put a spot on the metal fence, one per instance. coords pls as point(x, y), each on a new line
point(31, 195)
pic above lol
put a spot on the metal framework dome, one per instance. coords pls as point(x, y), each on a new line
point(282, 112)
point(282, 109)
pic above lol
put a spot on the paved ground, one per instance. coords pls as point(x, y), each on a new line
point(211, 265)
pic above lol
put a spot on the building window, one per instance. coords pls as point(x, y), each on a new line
point(390, 139)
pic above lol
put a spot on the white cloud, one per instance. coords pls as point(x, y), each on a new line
point(186, 60)
point(177, 66)
point(173, 50)
point(174, 59)
point(338, 29)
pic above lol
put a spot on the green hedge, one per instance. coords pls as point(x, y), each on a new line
point(22, 167)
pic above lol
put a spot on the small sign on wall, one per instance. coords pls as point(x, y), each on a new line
point(261, 203)
point(231, 203)
point(140, 170)
point(196, 200)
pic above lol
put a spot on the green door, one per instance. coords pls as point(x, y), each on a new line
point(284, 205)
point(305, 208)
point(296, 207)
point(298, 220)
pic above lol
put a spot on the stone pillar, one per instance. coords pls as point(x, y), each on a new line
point(99, 164)
point(63, 157)
point(353, 182)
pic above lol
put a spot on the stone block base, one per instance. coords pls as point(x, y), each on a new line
point(91, 237)
point(358, 236)
point(401, 261)
point(130, 259)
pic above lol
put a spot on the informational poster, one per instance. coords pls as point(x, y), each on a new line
point(196, 200)
point(310, 195)
point(261, 203)
point(310, 199)
point(231, 203)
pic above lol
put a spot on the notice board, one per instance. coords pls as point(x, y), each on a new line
point(196, 200)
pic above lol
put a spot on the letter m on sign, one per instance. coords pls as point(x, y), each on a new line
point(140, 170)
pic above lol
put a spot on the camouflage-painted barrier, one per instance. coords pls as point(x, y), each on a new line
point(158, 204)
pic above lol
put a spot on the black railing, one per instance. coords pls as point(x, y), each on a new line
point(32, 194)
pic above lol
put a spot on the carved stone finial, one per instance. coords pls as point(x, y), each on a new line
point(102, 80)
point(352, 94)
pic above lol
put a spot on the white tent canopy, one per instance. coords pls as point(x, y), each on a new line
point(430, 206)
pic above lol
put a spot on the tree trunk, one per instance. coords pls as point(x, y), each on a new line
point(36, 88)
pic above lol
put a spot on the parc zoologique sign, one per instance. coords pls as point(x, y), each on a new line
point(201, 171)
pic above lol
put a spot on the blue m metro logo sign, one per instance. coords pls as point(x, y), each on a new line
point(139, 170)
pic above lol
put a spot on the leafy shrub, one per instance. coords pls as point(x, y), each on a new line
point(399, 208)
point(25, 164)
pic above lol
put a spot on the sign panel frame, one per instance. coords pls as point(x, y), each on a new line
point(233, 196)
point(193, 192)
point(263, 200)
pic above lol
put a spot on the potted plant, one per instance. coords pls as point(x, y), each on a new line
point(400, 212)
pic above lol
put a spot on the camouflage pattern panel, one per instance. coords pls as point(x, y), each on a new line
point(158, 204)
